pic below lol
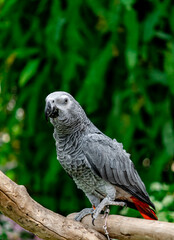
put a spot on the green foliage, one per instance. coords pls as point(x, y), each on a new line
point(10, 230)
point(115, 57)
point(163, 198)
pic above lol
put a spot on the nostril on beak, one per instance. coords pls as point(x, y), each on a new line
point(51, 111)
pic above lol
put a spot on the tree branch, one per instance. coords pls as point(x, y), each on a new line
point(16, 203)
point(124, 228)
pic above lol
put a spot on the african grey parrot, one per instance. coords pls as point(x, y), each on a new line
point(98, 165)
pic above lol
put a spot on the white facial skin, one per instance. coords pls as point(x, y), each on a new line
point(61, 101)
point(63, 109)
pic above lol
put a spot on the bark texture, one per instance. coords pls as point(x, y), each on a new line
point(124, 228)
point(16, 203)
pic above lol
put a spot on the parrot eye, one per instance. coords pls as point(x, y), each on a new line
point(65, 100)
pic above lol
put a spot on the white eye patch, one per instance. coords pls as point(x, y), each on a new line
point(64, 100)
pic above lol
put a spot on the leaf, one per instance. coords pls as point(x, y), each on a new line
point(153, 19)
point(93, 85)
point(157, 76)
point(169, 66)
point(28, 72)
point(8, 5)
point(171, 17)
point(132, 27)
point(149, 25)
point(168, 138)
point(128, 3)
point(25, 52)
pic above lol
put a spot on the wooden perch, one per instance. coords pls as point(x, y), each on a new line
point(122, 228)
point(16, 203)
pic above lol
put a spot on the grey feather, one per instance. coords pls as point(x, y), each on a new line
point(114, 162)
point(97, 164)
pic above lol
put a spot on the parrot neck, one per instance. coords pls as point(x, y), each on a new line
point(68, 125)
point(67, 130)
point(63, 129)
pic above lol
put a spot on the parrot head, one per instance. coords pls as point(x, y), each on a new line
point(62, 109)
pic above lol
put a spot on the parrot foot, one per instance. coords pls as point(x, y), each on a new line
point(84, 212)
point(106, 212)
point(105, 202)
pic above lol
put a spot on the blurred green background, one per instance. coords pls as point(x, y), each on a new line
point(117, 59)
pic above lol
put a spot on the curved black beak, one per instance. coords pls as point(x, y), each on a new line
point(51, 112)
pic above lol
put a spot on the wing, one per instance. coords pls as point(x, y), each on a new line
point(110, 161)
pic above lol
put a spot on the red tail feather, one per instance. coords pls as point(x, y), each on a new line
point(144, 209)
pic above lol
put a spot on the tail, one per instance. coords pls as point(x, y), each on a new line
point(144, 209)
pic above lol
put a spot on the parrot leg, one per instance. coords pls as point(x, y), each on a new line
point(106, 214)
point(106, 201)
point(83, 213)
